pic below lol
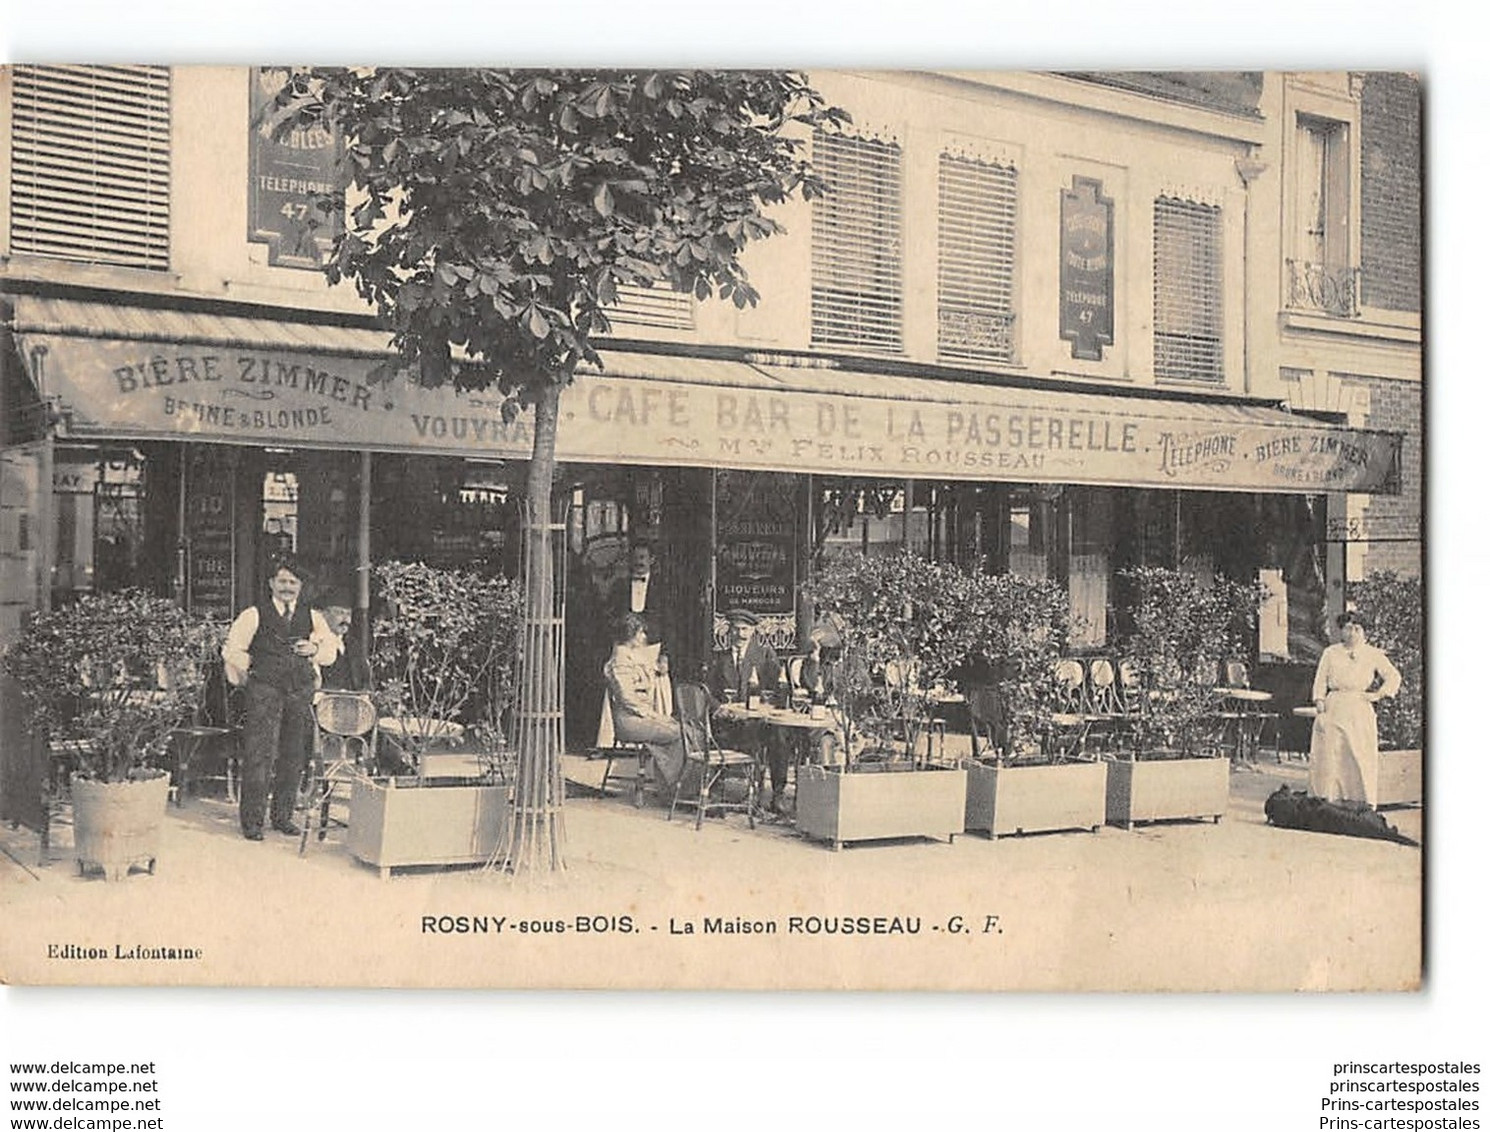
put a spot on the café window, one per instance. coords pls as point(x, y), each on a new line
point(98, 496)
point(1187, 291)
point(90, 164)
point(856, 244)
point(975, 259)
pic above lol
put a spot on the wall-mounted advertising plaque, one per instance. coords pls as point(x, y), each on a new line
point(1086, 268)
point(288, 179)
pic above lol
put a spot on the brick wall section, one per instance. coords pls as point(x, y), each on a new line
point(1396, 406)
point(1391, 191)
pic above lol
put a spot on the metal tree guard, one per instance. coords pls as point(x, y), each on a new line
point(535, 826)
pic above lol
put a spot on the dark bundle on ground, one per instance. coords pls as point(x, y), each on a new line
point(1298, 809)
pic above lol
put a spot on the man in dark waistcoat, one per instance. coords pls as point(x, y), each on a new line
point(271, 650)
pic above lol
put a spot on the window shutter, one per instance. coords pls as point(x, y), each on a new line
point(1187, 291)
point(975, 260)
point(90, 164)
point(658, 305)
point(856, 287)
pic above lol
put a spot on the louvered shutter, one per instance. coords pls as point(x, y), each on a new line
point(90, 164)
point(659, 305)
point(1187, 291)
point(975, 260)
point(856, 287)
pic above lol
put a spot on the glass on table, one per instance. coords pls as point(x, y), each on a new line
point(730, 694)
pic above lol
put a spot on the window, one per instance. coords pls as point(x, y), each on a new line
point(1187, 291)
point(658, 305)
point(90, 164)
point(1320, 275)
point(975, 260)
point(856, 287)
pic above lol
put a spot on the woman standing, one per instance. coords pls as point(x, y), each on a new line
point(1352, 676)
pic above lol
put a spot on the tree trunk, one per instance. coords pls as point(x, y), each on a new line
point(535, 833)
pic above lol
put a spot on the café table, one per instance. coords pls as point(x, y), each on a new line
point(1243, 706)
point(411, 734)
point(789, 719)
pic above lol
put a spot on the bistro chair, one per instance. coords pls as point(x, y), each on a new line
point(1246, 709)
point(716, 765)
point(210, 731)
point(611, 748)
point(1069, 723)
point(346, 739)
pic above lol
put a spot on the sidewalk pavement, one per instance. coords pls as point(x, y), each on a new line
point(1238, 905)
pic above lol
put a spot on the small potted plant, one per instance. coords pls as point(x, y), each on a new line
point(106, 680)
point(904, 631)
point(1019, 783)
point(444, 650)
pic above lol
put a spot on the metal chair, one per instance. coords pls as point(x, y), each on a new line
point(345, 748)
point(212, 729)
point(715, 764)
point(610, 748)
point(1069, 723)
point(1246, 709)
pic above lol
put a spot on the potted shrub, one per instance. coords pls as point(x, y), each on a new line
point(1182, 631)
point(107, 679)
point(904, 631)
point(444, 650)
point(1393, 609)
point(1019, 784)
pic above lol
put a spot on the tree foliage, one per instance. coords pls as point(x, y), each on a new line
point(1021, 628)
point(1183, 630)
point(1392, 607)
point(118, 671)
point(444, 644)
point(496, 212)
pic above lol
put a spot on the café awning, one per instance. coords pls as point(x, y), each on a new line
point(136, 373)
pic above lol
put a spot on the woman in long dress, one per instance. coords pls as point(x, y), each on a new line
point(641, 699)
point(1352, 676)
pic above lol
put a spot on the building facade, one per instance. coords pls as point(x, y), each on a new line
point(1051, 323)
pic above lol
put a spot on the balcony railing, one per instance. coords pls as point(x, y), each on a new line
point(1315, 287)
point(967, 333)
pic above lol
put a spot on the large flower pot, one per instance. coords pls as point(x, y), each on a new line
point(1160, 789)
point(392, 825)
point(1399, 778)
point(116, 825)
point(1033, 799)
point(838, 806)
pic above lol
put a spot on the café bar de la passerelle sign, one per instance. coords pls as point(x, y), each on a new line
point(760, 417)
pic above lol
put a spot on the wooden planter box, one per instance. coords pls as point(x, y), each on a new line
point(836, 806)
point(116, 825)
point(1157, 789)
point(1399, 778)
point(1031, 799)
point(390, 826)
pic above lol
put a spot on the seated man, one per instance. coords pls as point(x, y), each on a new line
point(632, 679)
point(731, 674)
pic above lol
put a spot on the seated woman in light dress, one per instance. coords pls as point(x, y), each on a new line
point(1352, 676)
point(632, 676)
